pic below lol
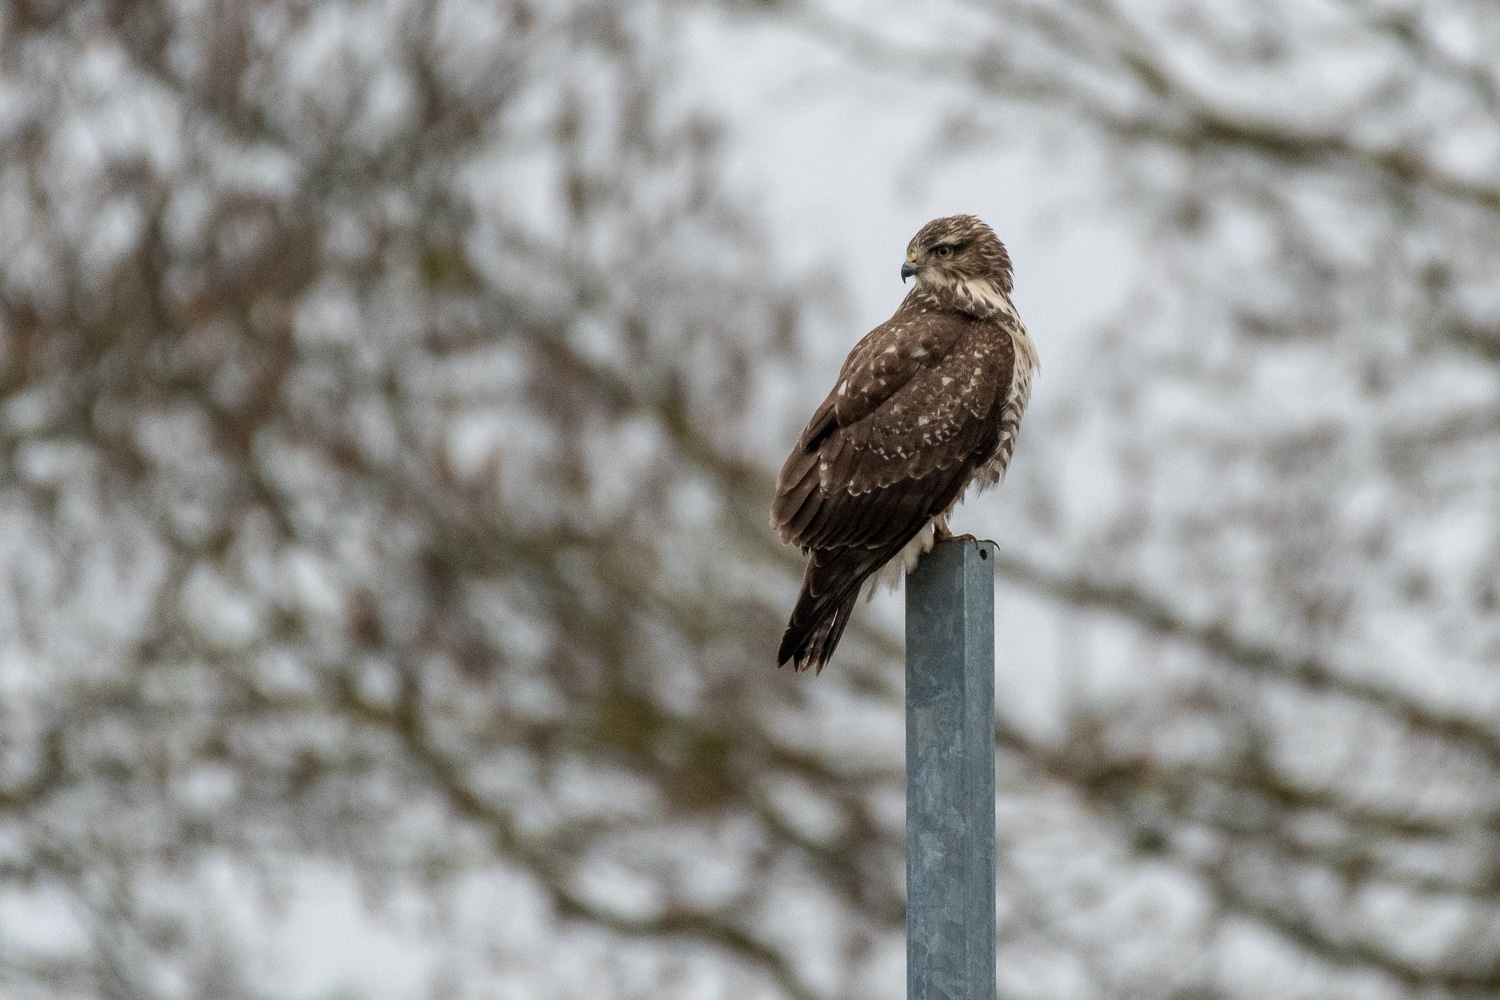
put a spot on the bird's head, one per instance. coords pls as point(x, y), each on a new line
point(955, 250)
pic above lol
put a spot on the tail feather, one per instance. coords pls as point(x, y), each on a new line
point(816, 647)
point(830, 589)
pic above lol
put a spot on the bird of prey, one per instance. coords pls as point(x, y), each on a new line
point(926, 405)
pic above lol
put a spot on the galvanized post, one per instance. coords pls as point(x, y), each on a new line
point(950, 774)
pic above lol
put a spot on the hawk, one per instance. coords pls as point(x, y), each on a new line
point(927, 405)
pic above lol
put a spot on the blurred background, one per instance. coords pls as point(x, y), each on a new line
point(390, 398)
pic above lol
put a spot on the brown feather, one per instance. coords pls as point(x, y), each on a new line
point(925, 404)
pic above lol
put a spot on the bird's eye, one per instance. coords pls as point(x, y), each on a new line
point(943, 251)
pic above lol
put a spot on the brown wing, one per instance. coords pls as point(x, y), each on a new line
point(885, 494)
point(902, 440)
point(915, 413)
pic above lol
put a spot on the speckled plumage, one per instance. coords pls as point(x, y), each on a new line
point(928, 404)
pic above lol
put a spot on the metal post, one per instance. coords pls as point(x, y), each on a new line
point(950, 774)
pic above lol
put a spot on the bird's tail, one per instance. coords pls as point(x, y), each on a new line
point(830, 589)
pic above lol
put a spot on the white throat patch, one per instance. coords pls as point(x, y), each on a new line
point(984, 294)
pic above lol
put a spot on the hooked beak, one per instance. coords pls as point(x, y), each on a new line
point(907, 270)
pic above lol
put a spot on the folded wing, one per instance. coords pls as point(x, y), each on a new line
point(913, 417)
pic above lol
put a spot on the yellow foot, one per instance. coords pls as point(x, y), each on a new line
point(944, 536)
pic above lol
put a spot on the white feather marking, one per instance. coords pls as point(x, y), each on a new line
point(1016, 399)
point(889, 575)
point(987, 295)
point(947, 380)
point(1019, 394)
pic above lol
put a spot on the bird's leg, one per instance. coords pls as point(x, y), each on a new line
point(940, 533)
